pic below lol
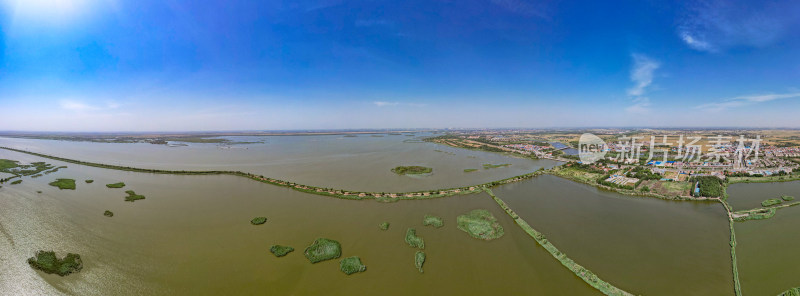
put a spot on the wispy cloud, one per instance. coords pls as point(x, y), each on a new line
point(745, 101)
point(713, 25)
point(73, 105)
point(641, 105)
point(642, 73)
point(642, 77)
point(392, 104)
point(696, 42)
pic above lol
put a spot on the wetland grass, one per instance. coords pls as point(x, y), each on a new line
point(480, 224)
point(413, 240)
point(323, 249)
point(258, 220)
point(419, 260)
point(132, 196)
point(351, 265)
point(64, 184)
point(384, 226)
point(48, 262)
point(116, 185)
point(434, 221)
point(280, 251)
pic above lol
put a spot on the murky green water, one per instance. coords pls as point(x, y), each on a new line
point(767, 249)
point(642, 245)
point(192, 236)
point(746, 196)
point(361, 163)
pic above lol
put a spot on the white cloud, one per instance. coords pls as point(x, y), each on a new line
point(714, 25)
point(392, 104)
point(641, 105)
point(744, 101)
point(642, 74)
point(79, 106)
point(696, 43)
point(385, 104)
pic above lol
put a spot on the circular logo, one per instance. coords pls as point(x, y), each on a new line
point(591, 148)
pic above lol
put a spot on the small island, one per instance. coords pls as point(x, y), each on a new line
point(64, 184)
point(480, 224)
point(132, 196)
point(412, 170)
point(419, 260)
point(323, 249)
point(434, 221)
point(351, 265)
point(492, 166)
point(771, 202)
point(280, 251)
point(108, 214)
point(89, 181)
point(16, 182)
point(384, 226)
point(48, 262)
point(470, 170)
point(787, 198)
point(258, 220)
point(413, 240)
point(116, 185)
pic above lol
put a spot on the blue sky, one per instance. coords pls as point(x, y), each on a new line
point(114, 65)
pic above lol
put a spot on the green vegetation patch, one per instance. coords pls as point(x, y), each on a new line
point(787, 198)
point(791, 292)
point(432, 221)
point(480, 224)
point(413, 240)
point(132, 196)
point(116, 185)
point(771, 202)
point(280, 251)
point(64, 183)
point(412, 170)
point(16, 182)
point(108, 214)
point(351, 265)
point(258, 220)
point(419, 260)
point(89, 181)
point(48, 262)
point(469, 170)
point(384, 226)
point(323, 249)
point(492, 166)
point(710, 186)
point(759, 214)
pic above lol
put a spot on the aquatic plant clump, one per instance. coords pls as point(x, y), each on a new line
point(412, 170)
point(64, 184)
point(132, 196)
point(470, 170)
point(89, 181)
point(323, 249)
point(413, 240)
point(432, 221)
point(108, 214)
point(258, 220)
point(16, 182)
point(351, 265)
point(493, 166)
point(384, 226)
point(480, 224)
point(116, 185)
point(280, 251)
point(771, 202)
point(419, 260)
point(791, 292)
point(787, 198)
point(48, 262)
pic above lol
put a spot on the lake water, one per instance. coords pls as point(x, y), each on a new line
point(192, 234)
point(767, 249)
point(360, 163)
